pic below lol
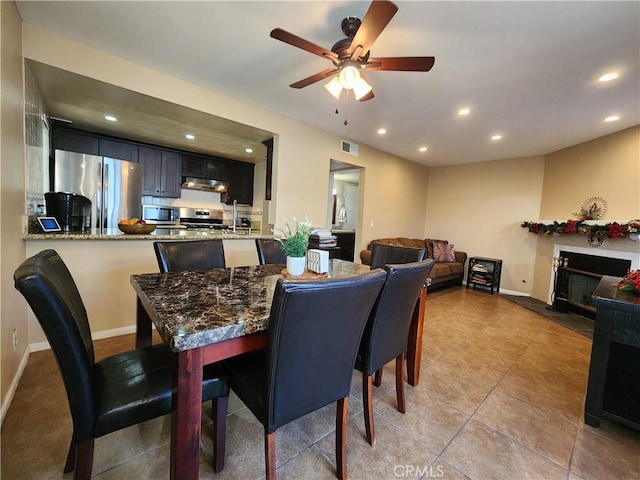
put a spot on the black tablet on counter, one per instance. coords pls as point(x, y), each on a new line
point(49, 224)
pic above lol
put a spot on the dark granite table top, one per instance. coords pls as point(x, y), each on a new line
point(197, 308)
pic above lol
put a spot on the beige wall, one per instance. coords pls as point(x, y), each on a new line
point(13, 310)
point(479, 208)
point(607, 166)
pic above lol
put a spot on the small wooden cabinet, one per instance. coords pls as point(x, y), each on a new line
point(613, 390)
point(485, 272)
point(162, 172)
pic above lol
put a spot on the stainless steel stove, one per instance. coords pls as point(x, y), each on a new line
point(202, 219)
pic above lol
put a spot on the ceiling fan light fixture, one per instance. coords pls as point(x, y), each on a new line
point(361, 88)
point(334, 87)
point(349, 76)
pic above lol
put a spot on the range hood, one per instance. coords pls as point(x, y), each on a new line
point(205, 185)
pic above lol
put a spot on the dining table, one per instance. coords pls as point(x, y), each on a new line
point(205, 316)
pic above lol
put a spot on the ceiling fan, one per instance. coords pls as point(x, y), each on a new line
point(350, 56)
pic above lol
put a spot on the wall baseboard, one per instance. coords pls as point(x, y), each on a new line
point(114, 332)
point(14, 385)
point(39, 346)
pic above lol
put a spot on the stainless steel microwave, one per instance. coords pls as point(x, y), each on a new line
point(161, 215)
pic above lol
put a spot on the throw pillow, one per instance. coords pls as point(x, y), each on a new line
point(449, 253)
point(439, 249)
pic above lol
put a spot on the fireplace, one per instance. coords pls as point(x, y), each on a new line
point(576, 277)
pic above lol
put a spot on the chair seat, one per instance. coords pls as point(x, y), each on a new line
point(135, 386)
point(247, 375)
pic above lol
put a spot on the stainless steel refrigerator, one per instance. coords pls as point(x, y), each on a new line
point(113, 186)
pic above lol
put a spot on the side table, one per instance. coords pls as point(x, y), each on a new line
point(613, 390)
point(485, 272)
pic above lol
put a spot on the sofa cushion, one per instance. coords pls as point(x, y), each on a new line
point(449, 253)
point(439, 251)
point(429, 244)
point(440, 269)
point(456, 268)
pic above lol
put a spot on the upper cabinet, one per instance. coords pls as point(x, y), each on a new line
point(203, 166)
point(240, 178)
point(162, 172)
point(118, 149)
point(81, 142)
point(75, 142)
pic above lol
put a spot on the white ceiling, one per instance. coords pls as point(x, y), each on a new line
point(527, 70)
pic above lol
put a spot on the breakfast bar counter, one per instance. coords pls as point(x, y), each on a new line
point(161, 234)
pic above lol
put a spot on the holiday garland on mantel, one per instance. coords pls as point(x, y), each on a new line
point(610, 230)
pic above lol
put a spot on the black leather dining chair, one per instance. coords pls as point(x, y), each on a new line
point(270, 251)
point(314, 332)
point(189, 255)
point(382, 255)
point(114, 393)
point(385, 335)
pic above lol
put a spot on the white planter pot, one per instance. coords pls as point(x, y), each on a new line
point(634, 236)
point(296, 265)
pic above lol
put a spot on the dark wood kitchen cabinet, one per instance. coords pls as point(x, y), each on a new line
point(118, 149)
point(240, 178)
point(202, 166)
point(72, 141)
point(162, 172)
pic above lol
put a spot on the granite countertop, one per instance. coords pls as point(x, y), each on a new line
point(164, 234)
point(197, 308)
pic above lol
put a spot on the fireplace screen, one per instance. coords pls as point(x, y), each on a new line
point(577, 278)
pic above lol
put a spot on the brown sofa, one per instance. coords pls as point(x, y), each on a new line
point(442, 274)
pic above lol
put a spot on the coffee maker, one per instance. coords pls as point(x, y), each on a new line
point(72, 211)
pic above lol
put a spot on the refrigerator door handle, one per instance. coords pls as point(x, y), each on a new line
point(99, 198)
point(105, 196)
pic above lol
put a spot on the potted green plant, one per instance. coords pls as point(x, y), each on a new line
point(295, 242)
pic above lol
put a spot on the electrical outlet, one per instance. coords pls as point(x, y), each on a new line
point(14, 336)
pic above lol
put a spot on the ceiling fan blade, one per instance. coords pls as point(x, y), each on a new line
point(377, 17)
point(402, 64)
point(296, 41)
point(314, 78)
point(368, 96)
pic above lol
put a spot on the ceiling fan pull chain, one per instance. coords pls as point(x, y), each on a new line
point(346, 108)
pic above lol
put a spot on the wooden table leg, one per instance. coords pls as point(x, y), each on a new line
point(186, 416)
point(143, 326)
point(414, 346)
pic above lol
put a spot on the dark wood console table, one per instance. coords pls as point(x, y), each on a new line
point(614, 374)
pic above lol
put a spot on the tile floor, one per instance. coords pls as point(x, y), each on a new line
point(501, 396)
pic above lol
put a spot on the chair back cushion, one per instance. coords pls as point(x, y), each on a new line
point(315, 330)
point(387, 330)
point(189, 255)
point(382, 255)
point(270, 251)
point(47, 285)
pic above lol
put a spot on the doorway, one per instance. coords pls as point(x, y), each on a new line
point(342, 211)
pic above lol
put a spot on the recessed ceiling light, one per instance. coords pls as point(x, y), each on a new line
point(464, 111)
point(422, 149)
point(496, 137)
point(111, 118)
point(612, 118)
point(248, 150)
point(190, 136)
point(607, 77)
point(382, 131)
